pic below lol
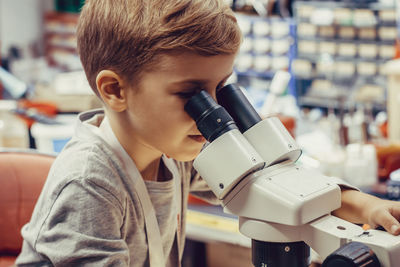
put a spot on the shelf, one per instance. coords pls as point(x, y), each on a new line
point(352, 5)
point(331, 103)
point(257, 74)
point(356, 41)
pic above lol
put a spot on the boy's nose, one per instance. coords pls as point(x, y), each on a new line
point(194, 130)
point(213, 94)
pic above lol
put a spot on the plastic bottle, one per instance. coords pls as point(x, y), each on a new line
point(361, 166)
point(13, 130)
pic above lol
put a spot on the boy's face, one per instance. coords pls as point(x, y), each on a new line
point(157, 120)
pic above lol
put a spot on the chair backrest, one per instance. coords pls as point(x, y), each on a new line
point(22, 175)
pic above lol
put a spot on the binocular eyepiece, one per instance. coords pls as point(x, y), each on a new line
point(213, 120)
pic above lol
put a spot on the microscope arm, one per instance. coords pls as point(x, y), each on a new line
point(325, 235)
point(385, 245)
point(274, 205)
point(285, 202)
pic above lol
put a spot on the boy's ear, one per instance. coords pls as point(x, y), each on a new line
point(110, 86)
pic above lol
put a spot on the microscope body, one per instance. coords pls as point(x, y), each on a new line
point(252, 169)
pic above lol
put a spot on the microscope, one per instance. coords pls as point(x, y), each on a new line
point(250, 165)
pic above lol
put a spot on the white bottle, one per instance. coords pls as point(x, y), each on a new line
point(13, 130)
point(361, 166)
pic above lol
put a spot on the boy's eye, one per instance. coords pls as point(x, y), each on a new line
point(186, 95)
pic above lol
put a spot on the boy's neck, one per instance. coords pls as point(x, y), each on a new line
point(146, 160)
point(151, 172)
point(156, 171)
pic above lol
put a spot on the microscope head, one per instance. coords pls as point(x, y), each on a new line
point(269, 137)
point(241, 142)
point(229, 157)
point(250, 161)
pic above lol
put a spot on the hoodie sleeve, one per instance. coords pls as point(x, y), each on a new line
point(81, 228)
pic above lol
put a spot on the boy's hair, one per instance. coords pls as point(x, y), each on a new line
point(126, 36)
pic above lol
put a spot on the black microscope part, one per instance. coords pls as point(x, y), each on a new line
point(238, 106)
point(211, 119)
point(275, 254)
point(353, 254)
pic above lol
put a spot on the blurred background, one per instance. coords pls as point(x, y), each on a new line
point(328, 69)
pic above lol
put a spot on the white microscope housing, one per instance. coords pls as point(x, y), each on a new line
point(251, 167)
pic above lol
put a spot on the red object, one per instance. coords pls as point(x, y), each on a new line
point(384, 129)
point(397, 49)
point(22, 177)
point(7, 261)
point(45, 108)
point(1, 90)
point(388, 160)
point(289, 123)
point(197, 201)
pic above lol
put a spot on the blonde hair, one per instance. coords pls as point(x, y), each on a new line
point(126, 36)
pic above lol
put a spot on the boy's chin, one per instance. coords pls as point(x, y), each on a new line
point(185, 157)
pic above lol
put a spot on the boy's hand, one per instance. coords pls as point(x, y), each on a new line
point(358, 207)
point(384, 213)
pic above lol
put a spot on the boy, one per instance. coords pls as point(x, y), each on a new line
point(116, 195)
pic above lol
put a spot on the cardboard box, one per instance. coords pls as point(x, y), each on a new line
point(224, 254)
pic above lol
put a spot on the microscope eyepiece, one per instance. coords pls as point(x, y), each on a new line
point(235, 102)
point(211, 119)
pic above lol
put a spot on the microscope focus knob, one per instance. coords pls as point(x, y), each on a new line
point(353, 254)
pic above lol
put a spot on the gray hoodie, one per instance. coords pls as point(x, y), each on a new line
point(89, 214)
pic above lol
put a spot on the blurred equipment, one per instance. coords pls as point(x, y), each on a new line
point(13, 86)
point(361, 167)
point(51, 138)
point(73, 6)
point(13, 130)
point(393, 186)
point(392, 69)
point(278, 86)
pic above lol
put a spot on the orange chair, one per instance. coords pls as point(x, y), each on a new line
point(22, 175)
